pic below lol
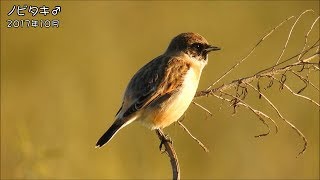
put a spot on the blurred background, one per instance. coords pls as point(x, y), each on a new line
point(61, 87)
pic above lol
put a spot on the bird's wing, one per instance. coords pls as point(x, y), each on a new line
point(160, 78)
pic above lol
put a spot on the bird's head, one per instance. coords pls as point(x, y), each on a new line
point(192, 44)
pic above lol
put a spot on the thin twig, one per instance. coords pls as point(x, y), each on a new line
point(289, 35)
point(258, 113)
point(299, 95)
point(252, 50)
point(316, 54)
point(256, 76)
point(304, 79)
point(203, 108)
point(194, 138)
point(284, 119)
point(171, 153)
point(273, 106)
point(280, 68)
point(306, 37)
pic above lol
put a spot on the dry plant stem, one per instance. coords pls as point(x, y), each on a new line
point(206, 110)
point(171, 153)
point(261, 40)
point(280, 68)
point(289, 35)
point(306, 37)
point(315, 67)
point(284, 119)
point(258, 113)
point(269, 102)
point(194, 138)
point(304, 79)
point(299, 95)
point(297, 130)
point(311, 57)
point(252, 50)
point(269, 73)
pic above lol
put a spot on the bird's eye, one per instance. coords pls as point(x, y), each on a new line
point(197, 46)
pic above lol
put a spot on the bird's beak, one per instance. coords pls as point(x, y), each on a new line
point(212, 48)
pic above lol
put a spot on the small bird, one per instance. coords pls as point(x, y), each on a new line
point(162, 90)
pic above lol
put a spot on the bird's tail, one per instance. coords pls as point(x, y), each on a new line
point(116, 126)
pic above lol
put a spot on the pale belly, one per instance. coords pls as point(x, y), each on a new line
point(172, 109)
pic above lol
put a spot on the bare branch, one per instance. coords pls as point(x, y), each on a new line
point(171, 153)
point(255, 77)
point(269, 74)
point(194, 138)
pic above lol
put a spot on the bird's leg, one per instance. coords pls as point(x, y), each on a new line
point(164, 139)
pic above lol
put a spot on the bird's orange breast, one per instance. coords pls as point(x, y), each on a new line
point(173, 108)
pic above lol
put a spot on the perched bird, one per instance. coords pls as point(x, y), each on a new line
point(162, 90)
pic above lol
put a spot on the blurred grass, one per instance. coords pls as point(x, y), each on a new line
point(60, 89)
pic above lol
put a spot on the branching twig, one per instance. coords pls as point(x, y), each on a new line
point(273, 106)
point(249, 79)
point(304, 79)
point(289, 35)
point(280, 69)
point(252, 50)
point(299, 95)
point(258, 113)
point(306, 37)
point(284, 119)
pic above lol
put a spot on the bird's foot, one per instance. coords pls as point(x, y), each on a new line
point(164, 139)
